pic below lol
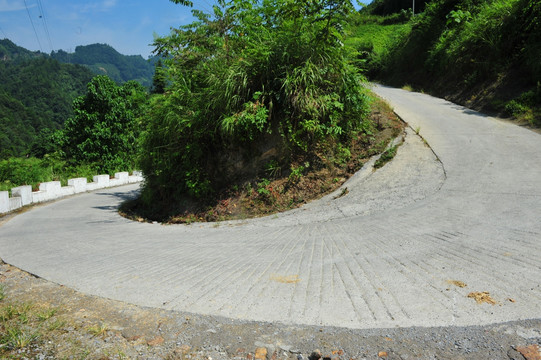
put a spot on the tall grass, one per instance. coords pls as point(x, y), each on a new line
point(372, 39)
point(476, 37)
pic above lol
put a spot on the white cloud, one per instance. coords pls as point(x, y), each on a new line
point(12, 5)
point(99, 6)
point(107, 4)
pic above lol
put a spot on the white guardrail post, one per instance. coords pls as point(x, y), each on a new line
point(23, 195)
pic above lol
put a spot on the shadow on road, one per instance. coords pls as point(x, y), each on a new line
point(122, 196)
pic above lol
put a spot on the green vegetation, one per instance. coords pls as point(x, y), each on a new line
point(48, 131)
point(250, 79)
point(105, 129)
point(372, 39)
point(35, 98)
point(101, 137)
point(32, 171)
point(37, 91)
point(392, 7)
point(484, 54)
point(103, 59)
point(20, 324)
point(100, 59)
point(387, 156)
point(11, 52)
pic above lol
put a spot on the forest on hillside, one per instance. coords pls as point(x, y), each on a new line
point(36, 98)
point(103, 59)
point(100, 59)
point(37, 90)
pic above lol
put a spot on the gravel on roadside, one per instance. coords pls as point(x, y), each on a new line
point(90, 327)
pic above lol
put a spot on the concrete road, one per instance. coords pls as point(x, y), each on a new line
point(405, 247)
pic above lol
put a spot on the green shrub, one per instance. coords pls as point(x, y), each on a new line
point(298, 172)
point(273, 169)
point(31, 171)
point(515, 108)
point(24, 171)
point(466, 42)
point(387, 156)
point(247, 74)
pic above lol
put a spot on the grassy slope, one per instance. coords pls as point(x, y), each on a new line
point(480, 54)
point(372, 40)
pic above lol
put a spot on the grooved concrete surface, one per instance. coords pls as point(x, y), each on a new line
point(384, 255)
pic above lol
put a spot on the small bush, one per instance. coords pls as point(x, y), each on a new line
point(298, 172)
point(31, 171)
point(515, 108)
point(387, 156)
point(24, 171)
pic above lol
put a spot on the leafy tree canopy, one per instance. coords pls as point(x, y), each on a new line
point(159, 80)
point(105, 127)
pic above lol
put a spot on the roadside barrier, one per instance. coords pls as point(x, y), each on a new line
point(52, 190)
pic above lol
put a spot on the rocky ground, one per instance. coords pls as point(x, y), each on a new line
point(60, 323)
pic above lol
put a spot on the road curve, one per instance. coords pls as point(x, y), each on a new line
point(395, 251)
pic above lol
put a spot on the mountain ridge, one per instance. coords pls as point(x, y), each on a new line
point(100, 59)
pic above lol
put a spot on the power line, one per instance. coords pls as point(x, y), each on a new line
point(2, 30)
point(45, 24)
point(33, 27)
point(208, 9)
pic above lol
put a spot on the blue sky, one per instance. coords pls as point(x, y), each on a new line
point(127, 25)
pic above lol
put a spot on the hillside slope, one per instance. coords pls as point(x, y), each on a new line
point(483, 54)
point(9, 51)
point(103, 59)
point(36, 98)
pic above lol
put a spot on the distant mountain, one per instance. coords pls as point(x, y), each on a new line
point(103, 59)
point(11, 52)
point(36, 96)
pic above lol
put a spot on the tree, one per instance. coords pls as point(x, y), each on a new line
point(159, 80)
point(105, 127)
